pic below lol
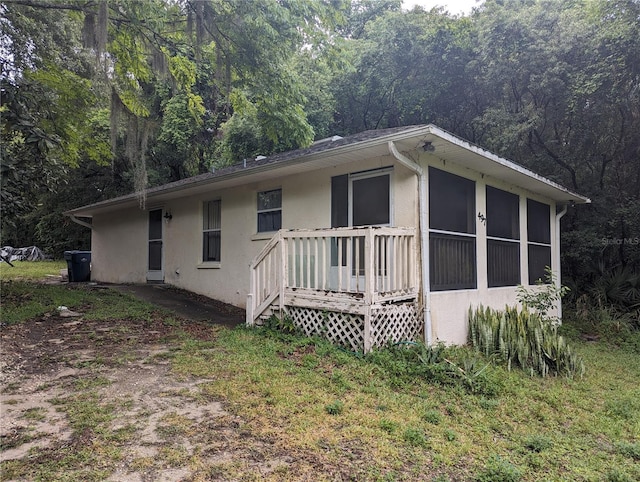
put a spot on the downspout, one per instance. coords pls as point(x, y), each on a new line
point(424, 237)
point(80, 221)
point(557, 260)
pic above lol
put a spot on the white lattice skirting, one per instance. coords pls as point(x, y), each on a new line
point(389, 324)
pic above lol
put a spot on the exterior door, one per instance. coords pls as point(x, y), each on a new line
point(360, 199)
point(155, 270)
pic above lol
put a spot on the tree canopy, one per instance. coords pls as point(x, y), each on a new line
point(123, 94)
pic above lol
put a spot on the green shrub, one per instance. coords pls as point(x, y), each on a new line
point(619, 287)
point(631, 450)
point(537, 443)
point(544, 298)
point(452, 366)
point(388, 426)
point(499, 470)
point(432, 416)
point(524, 339)
point(618, 475)
point(415, 437)
point(334, 408)
point(450, 435)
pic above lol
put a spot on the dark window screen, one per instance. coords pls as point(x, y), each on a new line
point(503, 214)
point(503, 221)
point(155, 240)
point(538, 232)
point(452, 201)
point(269, 210)
point(211, 246)
point(371, 200)
point(155, 224)
point(340, 201)
point(539, 259)
point(211, 225)
point(503, 263)
point(269, 221)
point(452, 262)
point(538, 222)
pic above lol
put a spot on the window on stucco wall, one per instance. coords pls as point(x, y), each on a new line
point(538, 239)
point(211, 229)
point(269, 210)
point(503, 238)
point(452, 231)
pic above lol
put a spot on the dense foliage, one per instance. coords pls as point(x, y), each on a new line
point(106, 97)
point(524, 339)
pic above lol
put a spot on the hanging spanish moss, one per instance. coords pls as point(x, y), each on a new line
point(115, 114)
point(102, 27)
point(159, 63)
point(95, 29)
point(135, 151)
point(89, 31)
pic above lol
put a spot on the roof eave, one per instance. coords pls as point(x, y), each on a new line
point(418, 133)
point(564, 195)
point(132, 199)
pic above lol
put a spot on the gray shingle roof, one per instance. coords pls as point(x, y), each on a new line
point(260, 161)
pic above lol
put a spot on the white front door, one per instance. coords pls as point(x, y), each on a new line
point(155, 270)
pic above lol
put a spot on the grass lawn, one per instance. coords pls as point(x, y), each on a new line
point(346, 417)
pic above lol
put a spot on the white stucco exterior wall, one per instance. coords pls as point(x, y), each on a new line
point(306, 203)
point(119, 247)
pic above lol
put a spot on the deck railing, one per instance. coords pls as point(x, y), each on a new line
point(368, 265)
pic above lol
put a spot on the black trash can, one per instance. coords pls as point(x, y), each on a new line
point(78, 265)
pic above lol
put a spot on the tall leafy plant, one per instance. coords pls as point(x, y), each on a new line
point(524, 339)
point(544, 297)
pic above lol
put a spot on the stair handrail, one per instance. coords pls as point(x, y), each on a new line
point(254, 302)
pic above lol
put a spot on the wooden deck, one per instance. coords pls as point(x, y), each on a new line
point(357, 286)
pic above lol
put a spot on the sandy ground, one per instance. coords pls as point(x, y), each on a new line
point(126, 364)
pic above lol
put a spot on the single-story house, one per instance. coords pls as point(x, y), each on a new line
point(383, 236)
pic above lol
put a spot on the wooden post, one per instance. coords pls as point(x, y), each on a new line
point(249, 310)
point(369, 268)
point(367, 329)
point(284, 266)
point(369, 283)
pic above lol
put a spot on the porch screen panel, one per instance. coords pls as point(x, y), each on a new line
point(503, 263)
point(211, 250)
point(503, 238)
point(539, 259)
point(539, 239)
point(452, 201)
point(452, 239)
point(452, 262)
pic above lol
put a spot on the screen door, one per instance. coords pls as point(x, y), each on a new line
point(154, 270)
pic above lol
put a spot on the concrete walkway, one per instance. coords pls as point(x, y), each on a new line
point(186, 304)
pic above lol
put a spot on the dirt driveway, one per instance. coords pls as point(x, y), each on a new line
point(71, 388)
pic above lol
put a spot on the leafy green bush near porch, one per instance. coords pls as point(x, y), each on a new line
point(523, 339)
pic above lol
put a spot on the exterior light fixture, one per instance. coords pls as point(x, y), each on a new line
point(167, 216)
point(428, 147)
